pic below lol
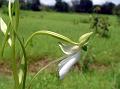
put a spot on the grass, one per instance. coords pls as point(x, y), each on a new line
point(106, 51)
point(74, 80)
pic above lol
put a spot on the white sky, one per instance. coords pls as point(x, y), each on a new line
point(52, 2)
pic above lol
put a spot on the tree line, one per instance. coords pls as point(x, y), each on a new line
point(79, 6)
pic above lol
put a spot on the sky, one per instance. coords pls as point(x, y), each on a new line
point(52, 2)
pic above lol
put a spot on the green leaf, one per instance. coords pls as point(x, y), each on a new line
point(84, 38)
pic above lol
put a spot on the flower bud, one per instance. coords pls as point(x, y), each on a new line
point(84, 38)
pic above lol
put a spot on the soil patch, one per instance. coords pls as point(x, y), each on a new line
point(5, 68)
point(34, 66)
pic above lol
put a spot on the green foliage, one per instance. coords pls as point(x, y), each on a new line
point(95, 23)
point(117, 10)
point(88, 59)
point(101, 25)
point(104, 25)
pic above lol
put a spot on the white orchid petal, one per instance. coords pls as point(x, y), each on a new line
point(68, 49)
point(67, 66)
point(3, 26)
point(62, 63)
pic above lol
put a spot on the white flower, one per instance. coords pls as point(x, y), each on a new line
point(73, 57)
point(3, 28)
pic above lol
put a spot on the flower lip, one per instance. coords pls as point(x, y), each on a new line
point(73, 55)
point(66, 64)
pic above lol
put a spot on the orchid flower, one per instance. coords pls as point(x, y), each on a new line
point(73, 54)
point(3, 28)
point(73, 57)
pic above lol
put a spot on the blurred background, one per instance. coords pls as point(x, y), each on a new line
point(83, 6)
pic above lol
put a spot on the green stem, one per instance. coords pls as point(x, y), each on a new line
point(25, 73)
point(53, 34)
point(16, 14)
point(14, 65)
point(9, 11)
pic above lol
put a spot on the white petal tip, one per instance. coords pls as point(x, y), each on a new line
point(10, 42)
point(61, 76)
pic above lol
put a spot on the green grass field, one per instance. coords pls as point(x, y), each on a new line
point(106, 51)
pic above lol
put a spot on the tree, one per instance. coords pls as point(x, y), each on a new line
point(36, 5)
point(75, 5)
point(107, 8)
point(61, 6)
point(23, 5)
point(86, 6)
point(3, 2)
point(117, 10)
point(97, 8)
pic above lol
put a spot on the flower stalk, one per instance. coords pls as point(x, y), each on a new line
point(13, 47)
point(14, 63)
point(53, 34)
